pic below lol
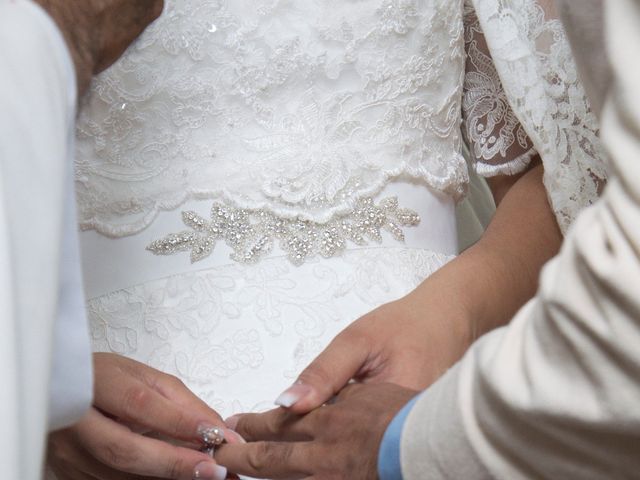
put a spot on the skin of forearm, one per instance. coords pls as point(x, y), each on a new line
point(491, 280)
point(97, 32)
point(73, 20)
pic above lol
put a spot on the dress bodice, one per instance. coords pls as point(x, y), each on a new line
point(301, 108)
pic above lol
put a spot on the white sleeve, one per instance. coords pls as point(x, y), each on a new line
point(527, 50)
point(71, 371)
point(38, 98)
point(71, 387)
point(555, 394)
point(497, 141)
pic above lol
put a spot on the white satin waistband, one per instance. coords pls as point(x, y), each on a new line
point(112, 264)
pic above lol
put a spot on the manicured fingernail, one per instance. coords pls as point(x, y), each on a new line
point(293, 395)
point(232, 421)
point(209, 471)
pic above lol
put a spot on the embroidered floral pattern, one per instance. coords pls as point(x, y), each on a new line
point(239, 334)
point(531, 53)
point(297, 108)
point(498, 142)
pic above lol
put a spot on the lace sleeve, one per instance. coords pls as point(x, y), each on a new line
point(498, 143)
point(534, 63)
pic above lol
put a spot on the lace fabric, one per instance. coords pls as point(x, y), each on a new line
point(498, 142)
point(533, 58)
point(304, 109)
point(300, 108)
point(238, 335)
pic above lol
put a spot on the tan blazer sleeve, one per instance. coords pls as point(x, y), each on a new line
point(555, 394)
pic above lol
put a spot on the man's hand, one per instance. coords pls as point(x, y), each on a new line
point(131, 397)
point(99, 31)
point(338, 441)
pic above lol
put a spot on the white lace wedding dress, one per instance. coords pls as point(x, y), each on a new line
point(252, 176)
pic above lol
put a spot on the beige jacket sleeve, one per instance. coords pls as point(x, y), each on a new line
point(555, 395)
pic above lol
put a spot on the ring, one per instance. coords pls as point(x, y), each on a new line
point(211, 437)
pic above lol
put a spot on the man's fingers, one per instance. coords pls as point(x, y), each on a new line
point(328, 373)
point(117, 447)
point(278, 424)
point(275, 460)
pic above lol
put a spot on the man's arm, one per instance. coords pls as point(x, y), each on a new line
point(38, 98)
point(554, 395)
point(37, 94)
point(97, 32)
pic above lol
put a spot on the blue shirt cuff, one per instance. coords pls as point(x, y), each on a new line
point(389, 465)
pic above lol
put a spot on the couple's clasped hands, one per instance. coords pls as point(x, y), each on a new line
point(330, 423)
point(147, 424)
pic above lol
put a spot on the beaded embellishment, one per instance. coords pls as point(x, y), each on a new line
point(252, 234)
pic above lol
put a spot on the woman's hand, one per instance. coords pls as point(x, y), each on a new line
point(410, 342)
point(413, 341)
point(131, 397)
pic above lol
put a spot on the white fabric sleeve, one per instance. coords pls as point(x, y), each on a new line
point(554, 394)
point(497, 141)
point(38, 98)
point(71, 386)
point(71, 389)
point(532, 56)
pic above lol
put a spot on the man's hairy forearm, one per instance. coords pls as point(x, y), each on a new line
point(74, 21)
point(97, 32)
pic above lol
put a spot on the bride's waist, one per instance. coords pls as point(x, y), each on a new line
point(422, 218)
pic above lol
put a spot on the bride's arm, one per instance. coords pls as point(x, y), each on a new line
point(414, 340)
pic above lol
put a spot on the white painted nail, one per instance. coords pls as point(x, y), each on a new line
point(209, 471)
point(293, 395)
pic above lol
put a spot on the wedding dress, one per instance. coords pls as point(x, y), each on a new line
point(252, 176)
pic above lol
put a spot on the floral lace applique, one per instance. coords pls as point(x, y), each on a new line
point(238, 334)
point(533, 57)
point(497, 139)
point(298, 108)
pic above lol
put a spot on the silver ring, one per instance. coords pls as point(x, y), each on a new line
point(212, 436)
